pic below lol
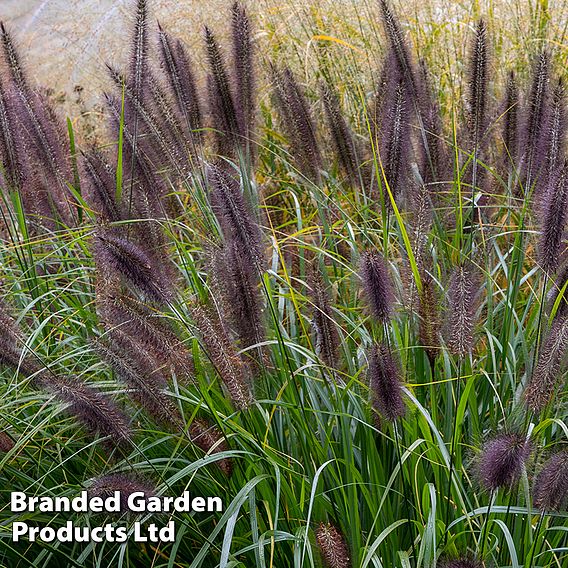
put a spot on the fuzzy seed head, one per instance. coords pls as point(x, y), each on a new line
point(551, 485)
point(502, 461)
point(332, 546)
point(385, 384)
point(377, 285)
point(6, 443)
point(126, 485)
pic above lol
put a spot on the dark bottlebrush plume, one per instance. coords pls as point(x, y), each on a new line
point(230, 367)
point(477, 96)
point(12, 57)
point(395, 144)
point(139, 51)
point(510, 132)
point(148, 330)
point(239, 283)
point(463, 562)
point(462, 306)
point(11, 340)
point(147, 383)
point(554, 214)
point(116, 253)
point(169, 152)
point(389, 75)
point(341, 134)
point(298, 122)
point(550, 491)
point(167, 116)
point(434, 163)
point(502, 460)
point(474, 174)
point(143, 190)
point(9, 156)
point(101, 186)
point(399, 48)
point(533, 134)
point(179, 73)
point(130, 348)
point(6, 443)
point(211, 440)
point(377, 285)
point(385, 383)
point(106, 486)
point(244, 73)
point(556, 144)
point(325, 327)
point(234, 213)
point(429, 318)
point(223, 110)
point(547, 372)
point(98, 414)
point(44, 146)
point(332, 546)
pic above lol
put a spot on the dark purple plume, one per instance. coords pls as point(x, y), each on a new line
point(106, 486)
point(146, 381)
point(325, 327)
point(395, 144)
point(222, 102)
point(98, 414)
point(297, 122)
point(502, 461)
point(6, 442)
point(234, 213)
point(547, 373)
point(556, 143)
point(463, 293)
point(533, 136)
point(550, 490)
point(9, 154)
point(178, 70)
point(11, 339)
point(244, 72)
point(210, 439)
point(147, 116)
point(115, 253)
point(377, 285)
point(385, 384)
point(510, 129)
point(477, 96)
point(139, 51)
point(149, 330)
point(100, 180)
point(461, 562)
point(238, 282)
point(554, 216)
point(399, 48)
point(435, 167)
point(35, 142)
point(231, 368)
point(341, 134)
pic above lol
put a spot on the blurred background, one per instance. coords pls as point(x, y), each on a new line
point(65, 43)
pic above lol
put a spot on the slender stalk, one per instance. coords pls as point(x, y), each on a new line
point(535, 541)
point(483, 540)
point(452, 452)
